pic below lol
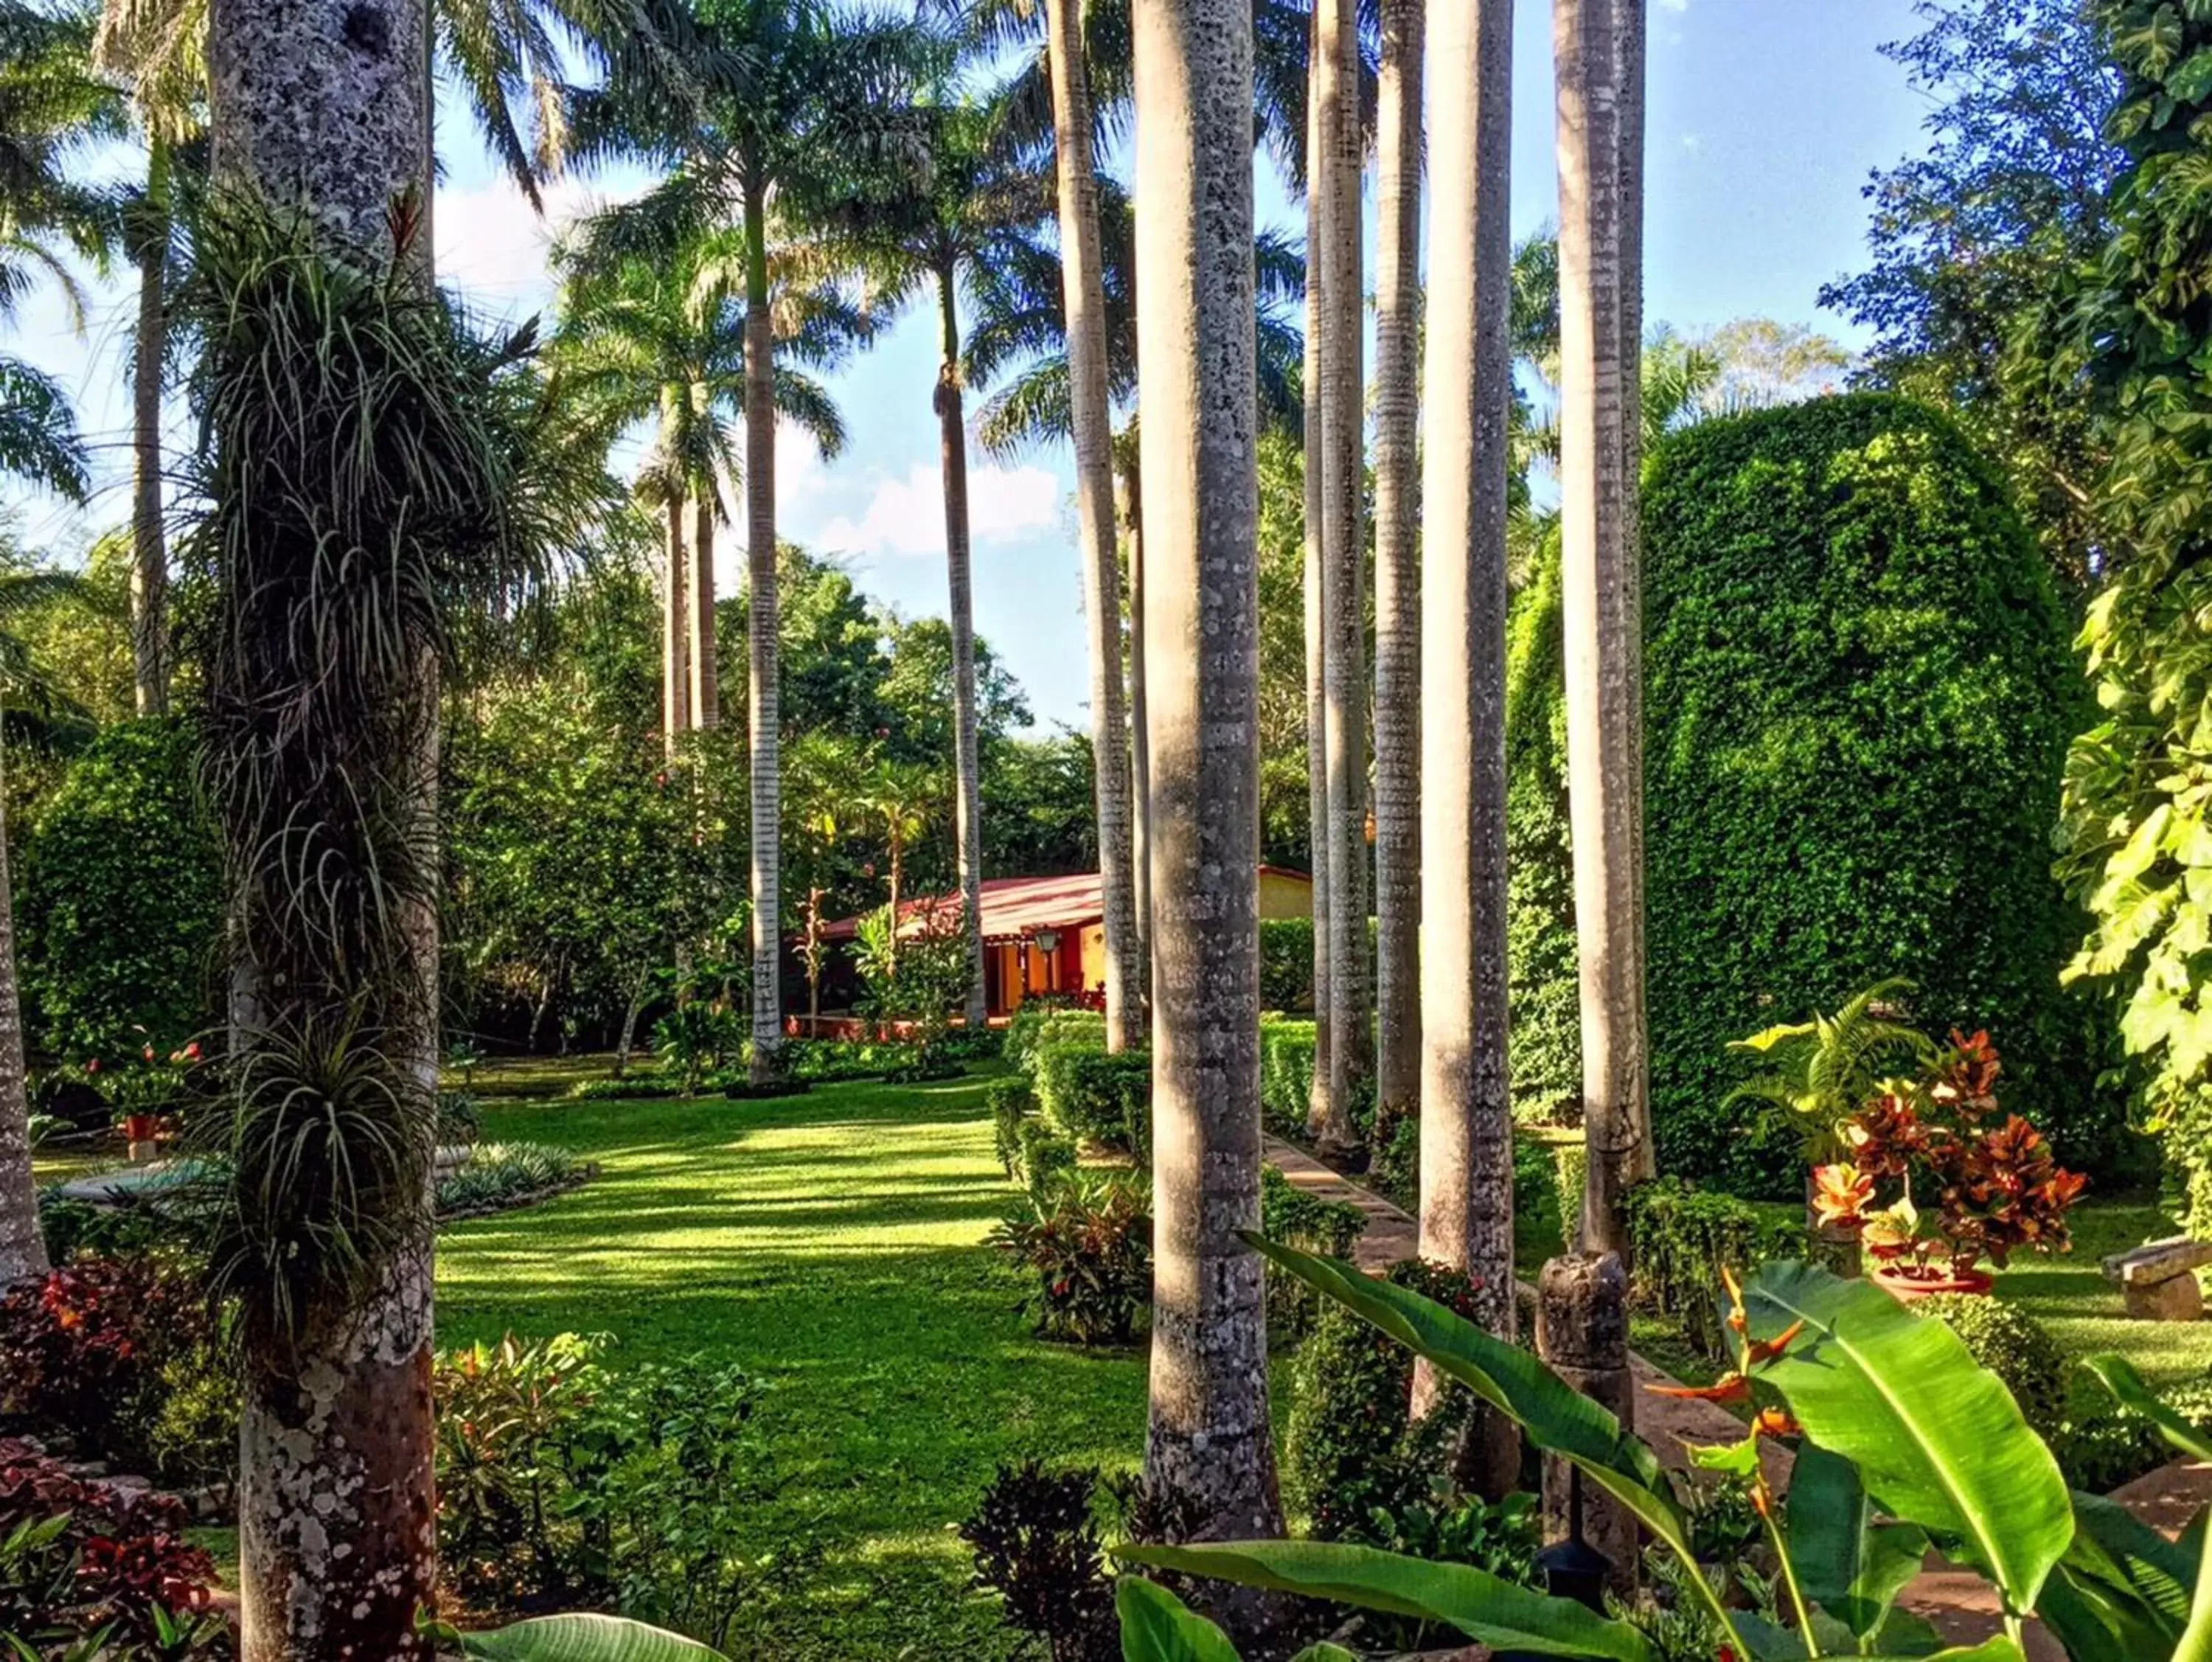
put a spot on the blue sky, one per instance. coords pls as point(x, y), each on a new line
point(1766, 117)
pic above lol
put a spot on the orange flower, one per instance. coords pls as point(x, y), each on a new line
point(1734, 1388)
point(1767, 1350)
point(1775, 1423)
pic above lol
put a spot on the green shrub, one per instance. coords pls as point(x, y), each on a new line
point(1681, 1236)
point(1013, 1103)
point(1286, 963)
point(2104, 1445)
point(1097, 1097)
point(1040, 1154)
point(1346, 1453)
point(1087, 1240)
point(1286, 1066)
point(1859, 691)
point(118, 898)
point(636, 1087)
point(1291, 1216)
point(1043, 1023)
point(503, 1175)
point(1570, 1181)
point(2016, 1348)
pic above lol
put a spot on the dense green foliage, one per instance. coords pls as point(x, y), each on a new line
point(1298, 1218)
point(2137, 841)
point(1680, 1235)
point(1286, 963)
point(118, 898)
point(1097, 1097)
point(1857, 696)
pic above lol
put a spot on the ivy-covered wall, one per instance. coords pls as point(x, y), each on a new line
point(1858, 695)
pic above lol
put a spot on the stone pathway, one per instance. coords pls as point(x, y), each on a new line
point(1963, 1607)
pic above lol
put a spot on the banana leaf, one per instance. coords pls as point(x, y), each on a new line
point(2118, 1549)
point(1158, 1626)
point(581, 1637)
point(1849, 1563)
point(1487, 1609)
point(1937, 1441)
point(2122, 1379)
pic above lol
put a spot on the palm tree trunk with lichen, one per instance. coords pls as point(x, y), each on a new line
point(1467, 1125)
point(1312, 582)
point(675, 628)
point(22, 1246)
point(1605, 781)
point(149, 561)
point(1344, 545)
point(322, 106)
point(706, 688)
point(959, 577)
point(1208, 1449)
point(1397, 575)
point(1083, 281)
point(764, 712)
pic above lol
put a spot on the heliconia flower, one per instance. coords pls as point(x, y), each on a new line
point(1767, 1350)
point(1775, 1423)
point(1735, 1388)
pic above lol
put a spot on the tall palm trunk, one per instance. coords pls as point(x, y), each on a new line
point(22, 1247)
point(764, 710)
point(959, 576)
point(1314, 577)
point(1141, 743)
point(1467, 1128)
point(149, 563)
point(1344, 569)
point(1208, 1447)
point(337, 1543)
point(706, 683)
point(1605, 783)
point(1397, 573)
point(1082, 277)
point(675, 629)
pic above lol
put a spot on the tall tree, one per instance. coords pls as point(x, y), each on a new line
point(1466, 1125)
point(1083, 279)
point(778, 89)
point(1397, 572)
point(1605, 779)
point(1321, 1098)
point(930, 230)
point(1209, 1447)
point(1342, 455)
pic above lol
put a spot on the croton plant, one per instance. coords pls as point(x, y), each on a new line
point(1939, 1179)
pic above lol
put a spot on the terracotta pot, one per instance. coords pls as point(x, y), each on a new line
point(1905, 1285)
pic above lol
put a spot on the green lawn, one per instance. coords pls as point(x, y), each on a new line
point(831, 1244)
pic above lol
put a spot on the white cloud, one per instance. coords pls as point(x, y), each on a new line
point(494, 246)
point(906, 515)
point(1674, 5)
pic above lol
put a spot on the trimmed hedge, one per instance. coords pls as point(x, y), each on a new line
point(1859, 693)
point(1292, 1217)
point(1090, 1095)
point(1286, 1065)
point(1681, 1236)
point(1038, 1026)
point(1286, 963)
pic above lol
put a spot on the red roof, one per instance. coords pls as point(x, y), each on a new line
point(1015, 906)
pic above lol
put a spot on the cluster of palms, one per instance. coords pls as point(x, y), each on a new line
point(818, 167)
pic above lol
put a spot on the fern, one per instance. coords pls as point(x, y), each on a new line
point(1820, 1071)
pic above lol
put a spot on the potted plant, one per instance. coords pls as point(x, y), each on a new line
point(1987, 1185)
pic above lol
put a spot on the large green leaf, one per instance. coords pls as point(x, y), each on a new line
point(1491, 1612)
point(1158, 1626)
point(581, 1637)
point(2121, 1378)
point(1849, 1563)
point(2118, 1549)
point(1556, 1418)
point(1938, 1440)
point(2096, 1622)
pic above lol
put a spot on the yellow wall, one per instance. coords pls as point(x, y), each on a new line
point(1285, 897)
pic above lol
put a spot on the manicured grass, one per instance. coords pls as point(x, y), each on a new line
point(2084, 1311)
point(831, 1244)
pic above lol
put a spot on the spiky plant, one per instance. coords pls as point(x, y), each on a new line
point(1818, 1072)
point(375, 488)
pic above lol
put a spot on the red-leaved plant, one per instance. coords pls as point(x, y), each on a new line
point(1995, 1185)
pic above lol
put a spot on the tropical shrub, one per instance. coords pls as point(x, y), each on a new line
point(1682, 1235)
point(1097, 1098)
point(97, 1569)
point(1036, 1541)
point(2016, 1348)
point(502, 1175)
point(1085, 1238)
point(1040, 1155)
point(651, 1086)
point(1291, 1215)
point(1013, 1104)
point(118, 1355)
point(1858, 692)
point(1046, 1022)
point(1286, 1066)
point(564, 1480)
point(1286, 963)
point(2105, 1443)
point(1349, 1463)
point(119, 897)
point(694, 1039)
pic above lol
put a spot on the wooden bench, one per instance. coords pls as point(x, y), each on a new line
point(2159, 1280)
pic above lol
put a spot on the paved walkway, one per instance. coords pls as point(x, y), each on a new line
point(1962, 1606)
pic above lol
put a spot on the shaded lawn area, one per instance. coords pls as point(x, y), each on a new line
point(831, 1244)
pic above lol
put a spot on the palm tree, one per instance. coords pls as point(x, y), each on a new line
point(1208, 1449)
point(24, 686)
point(1340, 455)
point(643, 340)
point(1321, 1100)
point(937, 230)
point(777, 90)
point(1467, 1128)
point(900, 800)
point(1397, 573)
point(1604, 753)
